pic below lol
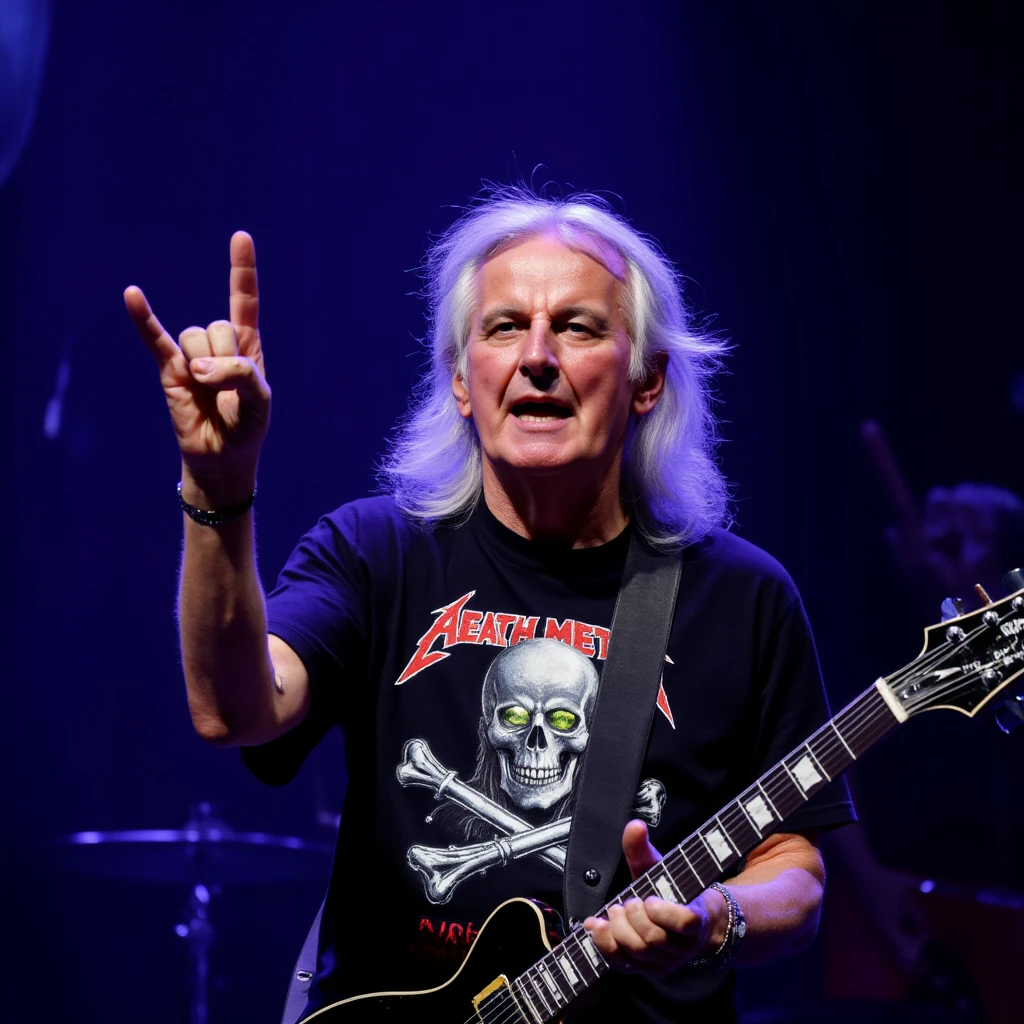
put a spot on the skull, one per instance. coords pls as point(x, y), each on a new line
point(538, 697)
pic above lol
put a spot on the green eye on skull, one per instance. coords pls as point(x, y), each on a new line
point(563, 721)
point(517, 716)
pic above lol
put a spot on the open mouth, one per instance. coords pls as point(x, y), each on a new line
point(539, 412)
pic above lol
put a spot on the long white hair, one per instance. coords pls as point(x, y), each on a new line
point(671, 487)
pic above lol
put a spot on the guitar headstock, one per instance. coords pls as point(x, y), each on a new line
point(969, 662)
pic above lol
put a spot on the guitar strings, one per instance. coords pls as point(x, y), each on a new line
point(965, 682)
point(866, 719)
point(863, 723)
point(939, 654)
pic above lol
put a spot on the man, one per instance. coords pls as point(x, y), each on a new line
point(465, 617)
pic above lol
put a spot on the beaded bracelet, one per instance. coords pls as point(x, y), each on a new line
point(735, 929)
point(211, 518)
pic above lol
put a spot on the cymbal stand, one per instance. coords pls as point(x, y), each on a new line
point(198, 931)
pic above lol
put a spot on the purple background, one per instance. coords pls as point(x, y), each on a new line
point(835, 183)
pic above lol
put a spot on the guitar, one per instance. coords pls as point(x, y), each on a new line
point(513, 975)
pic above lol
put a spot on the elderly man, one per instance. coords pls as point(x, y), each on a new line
point(465, 617)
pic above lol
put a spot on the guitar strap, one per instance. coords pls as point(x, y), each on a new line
point(303, 972)
point(621, 725)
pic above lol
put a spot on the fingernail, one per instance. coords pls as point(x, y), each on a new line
point(202, 365)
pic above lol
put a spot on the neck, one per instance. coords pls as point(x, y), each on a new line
point(557, 507)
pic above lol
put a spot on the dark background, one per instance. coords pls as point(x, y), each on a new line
point(835, 181)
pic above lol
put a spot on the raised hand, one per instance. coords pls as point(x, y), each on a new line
point(215, 385)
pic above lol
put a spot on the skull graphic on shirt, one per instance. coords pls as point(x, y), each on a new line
point(538, 699)
point(537, 706)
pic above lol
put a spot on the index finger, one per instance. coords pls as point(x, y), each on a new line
point(888, 469)
point(244, 301)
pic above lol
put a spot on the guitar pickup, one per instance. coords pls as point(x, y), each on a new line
point(486, 995)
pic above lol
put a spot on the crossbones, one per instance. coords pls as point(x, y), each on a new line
point(444, 869)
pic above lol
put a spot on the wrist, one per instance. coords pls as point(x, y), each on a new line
point(718, 921)
point(727, 932)
point(216, 516)
point(216, 490)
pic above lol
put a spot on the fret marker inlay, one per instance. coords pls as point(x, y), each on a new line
point(806, 774)
point(567, 969)
point(721, 849)
point(548, 980)
point(665, 890)
point(591, 951)
point(758, 810)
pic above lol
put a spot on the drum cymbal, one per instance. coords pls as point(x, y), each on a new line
point(202, 851)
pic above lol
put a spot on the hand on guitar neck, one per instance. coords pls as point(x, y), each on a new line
point(779, 892)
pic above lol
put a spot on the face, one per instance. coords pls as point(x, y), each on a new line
point(547, 359)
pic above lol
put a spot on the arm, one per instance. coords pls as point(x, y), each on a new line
point(243, 687)
point(779, 892)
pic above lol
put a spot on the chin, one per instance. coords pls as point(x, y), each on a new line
point(539, 462)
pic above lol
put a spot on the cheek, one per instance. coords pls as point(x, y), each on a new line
point(602, 388)
point(481, 390)
point(488, 378)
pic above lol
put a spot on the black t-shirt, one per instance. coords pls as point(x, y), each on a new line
point(482, 651)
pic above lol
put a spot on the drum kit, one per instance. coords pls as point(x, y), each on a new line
point(203, 856)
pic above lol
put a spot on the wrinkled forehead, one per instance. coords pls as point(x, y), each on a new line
point(575, 239)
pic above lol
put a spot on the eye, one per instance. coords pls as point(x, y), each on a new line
point(574, 328)
point(563, 721)
point(516, 715)
point(505, 327)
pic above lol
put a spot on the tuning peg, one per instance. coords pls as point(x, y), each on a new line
point(952, 608)
point(1010, 713)
point(1014, 580)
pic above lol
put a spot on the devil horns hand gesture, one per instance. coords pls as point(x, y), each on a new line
point(215, 386)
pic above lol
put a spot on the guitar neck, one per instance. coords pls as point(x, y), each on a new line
point(712, 851)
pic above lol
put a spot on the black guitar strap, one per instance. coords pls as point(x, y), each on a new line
point(302, 974)
point(626, 698)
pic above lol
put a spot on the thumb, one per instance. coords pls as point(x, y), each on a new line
point(641, 856)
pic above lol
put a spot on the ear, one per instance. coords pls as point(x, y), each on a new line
point(461, 393)
point(646, 396)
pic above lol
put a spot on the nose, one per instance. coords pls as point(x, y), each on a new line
point(537, 359)
point(537, 740)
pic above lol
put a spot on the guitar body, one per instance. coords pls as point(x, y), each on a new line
point(510, 941)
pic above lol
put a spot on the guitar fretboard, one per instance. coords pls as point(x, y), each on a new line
point(716, 848)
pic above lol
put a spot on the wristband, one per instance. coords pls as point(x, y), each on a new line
point(215, 518)
point(735, 929)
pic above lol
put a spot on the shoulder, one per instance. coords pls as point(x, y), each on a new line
point(737, 560)
point(374, 531)
point(738, 581)
point(366, 520)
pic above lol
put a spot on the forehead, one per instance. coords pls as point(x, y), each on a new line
point(545, 669)
point(544, 271)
